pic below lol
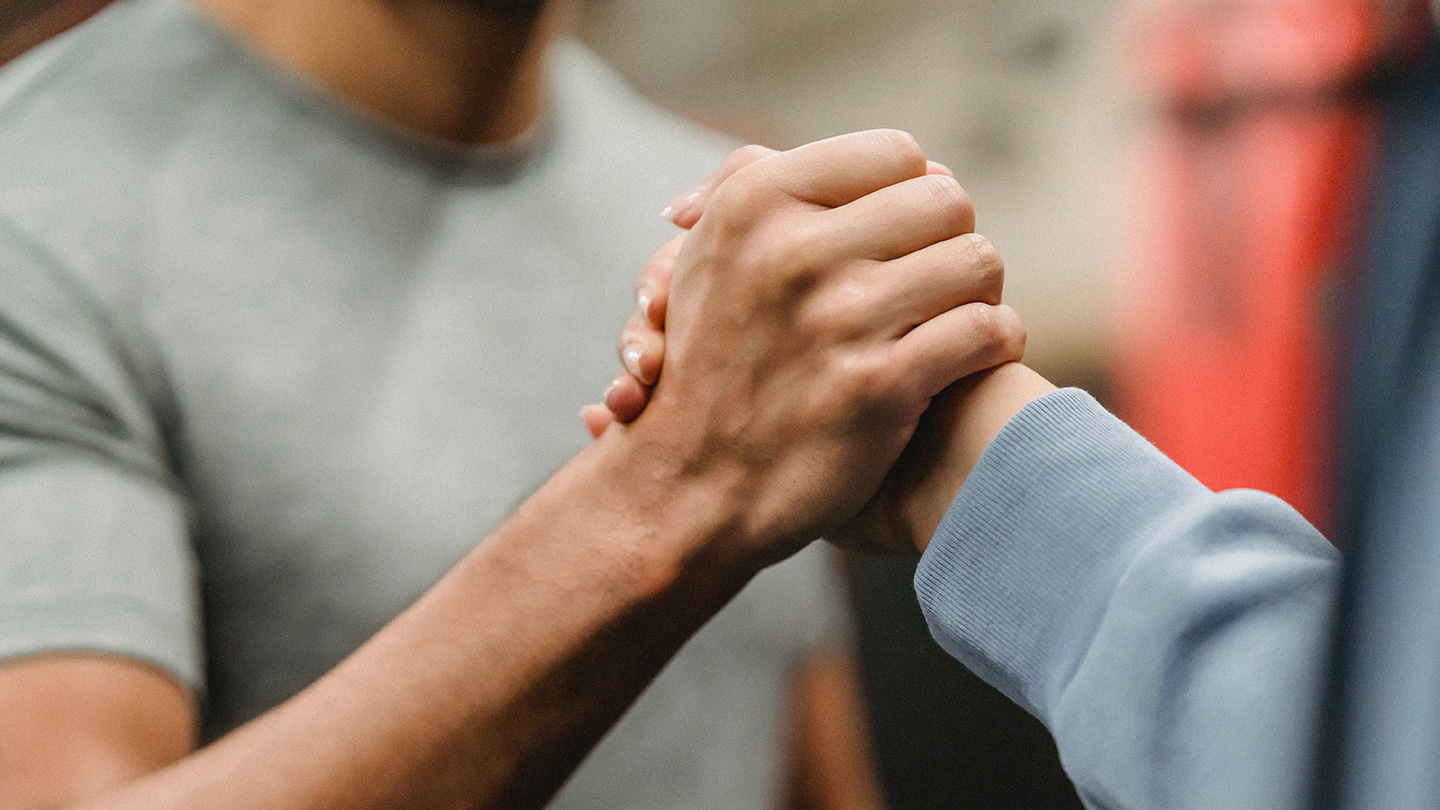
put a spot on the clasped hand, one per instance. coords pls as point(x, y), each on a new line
point(817, 303)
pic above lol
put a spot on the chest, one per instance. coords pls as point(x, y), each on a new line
point(351, 404)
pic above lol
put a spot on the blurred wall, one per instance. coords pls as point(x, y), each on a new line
point(1015, 95)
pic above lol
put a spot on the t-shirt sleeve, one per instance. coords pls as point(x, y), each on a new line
point(95, 553)
point(1172, 638)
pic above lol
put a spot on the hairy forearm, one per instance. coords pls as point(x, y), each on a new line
point(492, 688)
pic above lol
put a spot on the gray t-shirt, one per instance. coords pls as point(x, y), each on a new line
point(268, 368)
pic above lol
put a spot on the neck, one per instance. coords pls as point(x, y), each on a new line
point(436, 68)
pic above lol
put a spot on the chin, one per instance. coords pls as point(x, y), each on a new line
point(503, 8)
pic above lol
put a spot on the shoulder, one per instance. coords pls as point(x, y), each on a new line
point(93, 124)
point(128, 76)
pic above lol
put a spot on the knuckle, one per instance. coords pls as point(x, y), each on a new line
point(728, 202)
point(966, 210)
point(989, 268)
point(752, 179)
point(799, 248)
point(776, 268)
point(868, 380)
point(740, 199)
point(985, 326)
point(902, 146)
point(748, 154)
point(951, 200)
point(998, 330)
point(944, 189)
point(1016, 333)
point(843, 310)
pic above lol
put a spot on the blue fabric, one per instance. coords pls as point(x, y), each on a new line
point(1171, 638)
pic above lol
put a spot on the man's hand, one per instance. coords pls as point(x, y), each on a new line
point(934, 464)
point(642, 343)
point(824, 296)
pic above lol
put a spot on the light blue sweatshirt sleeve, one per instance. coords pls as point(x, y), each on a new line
point(1170, 637)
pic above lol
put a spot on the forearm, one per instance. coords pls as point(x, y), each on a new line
point(958, 426)
point(968, 418)
point(490, 690)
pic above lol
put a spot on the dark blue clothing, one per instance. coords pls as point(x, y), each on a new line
point(1386, 650)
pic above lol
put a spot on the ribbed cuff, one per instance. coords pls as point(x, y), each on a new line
point(1021, 569)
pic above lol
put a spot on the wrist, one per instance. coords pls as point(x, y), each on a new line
point(970, 416)
point(686, 527)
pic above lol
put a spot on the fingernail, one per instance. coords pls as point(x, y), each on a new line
point(681, 205)
point(646, 305)
point(931, 167)
point(630, 356)
point(615, 383)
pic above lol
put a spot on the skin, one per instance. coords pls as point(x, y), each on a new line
point(917, 493)
point(827, 296)
point(642, 344)
point(121, 720)
point(449, 70)
point(954, 432)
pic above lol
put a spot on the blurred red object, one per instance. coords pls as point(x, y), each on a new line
point(1245, 212)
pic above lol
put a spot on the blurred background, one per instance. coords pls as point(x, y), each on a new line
point(1180, 188)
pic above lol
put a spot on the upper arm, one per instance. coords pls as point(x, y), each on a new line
point(75, 726)
point(99, 605)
